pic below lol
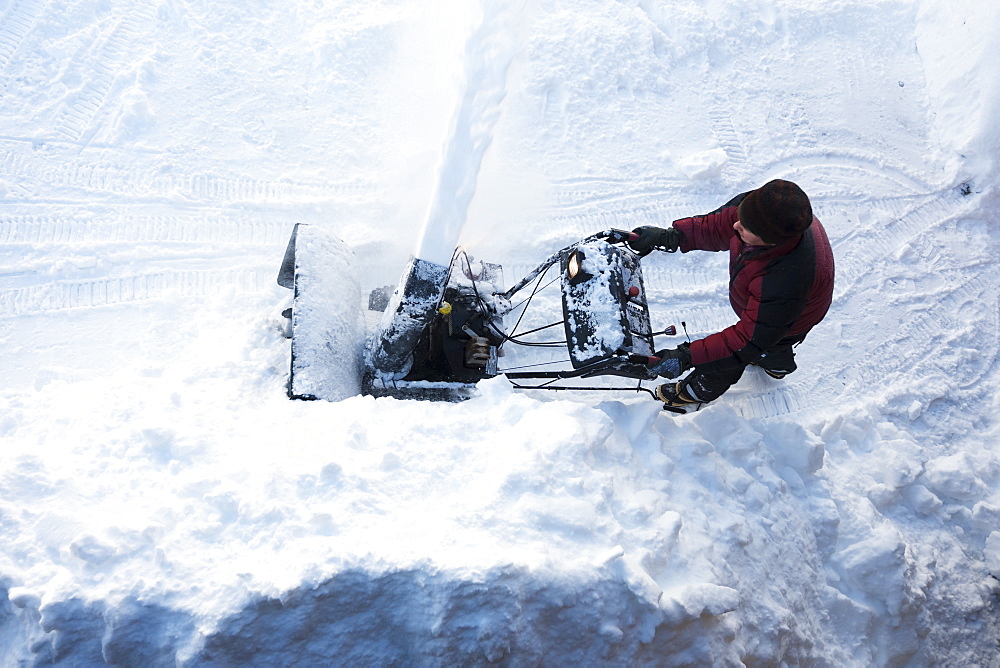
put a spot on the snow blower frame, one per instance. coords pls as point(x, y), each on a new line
point(443, 329)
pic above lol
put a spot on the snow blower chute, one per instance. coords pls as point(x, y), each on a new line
point(447, 327)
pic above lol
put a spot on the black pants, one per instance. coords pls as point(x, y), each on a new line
point(708, 386)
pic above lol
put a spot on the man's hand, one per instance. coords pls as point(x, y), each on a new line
point(649, 237)
point(673, 361)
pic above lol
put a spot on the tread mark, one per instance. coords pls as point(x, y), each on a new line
point(871, 244)
point(882, 365)
point(149, 181)
point(827, 175)
point(738, 165)
point(59, 296)
point(78, 116)
point(18, 22)
point(130, 229)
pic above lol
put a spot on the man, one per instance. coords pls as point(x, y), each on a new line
point(780, 285)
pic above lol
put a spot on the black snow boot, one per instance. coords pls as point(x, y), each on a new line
point(673, 396)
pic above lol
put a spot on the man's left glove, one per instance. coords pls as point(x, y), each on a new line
point(649, 237)
point(673, 361)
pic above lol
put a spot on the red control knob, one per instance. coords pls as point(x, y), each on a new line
point(633, 291)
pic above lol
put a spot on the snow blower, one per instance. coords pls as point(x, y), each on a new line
point(445, 328)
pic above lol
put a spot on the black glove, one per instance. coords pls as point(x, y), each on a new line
point(673, 361)
point(650, 237)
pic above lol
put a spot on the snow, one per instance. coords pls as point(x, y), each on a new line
point(488, 56)
point(163, 503)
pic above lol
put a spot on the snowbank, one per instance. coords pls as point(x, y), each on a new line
point(956, 43)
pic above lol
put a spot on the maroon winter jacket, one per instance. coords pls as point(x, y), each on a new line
point(779, 292)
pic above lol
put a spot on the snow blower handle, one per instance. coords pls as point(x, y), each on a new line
point(617, 236)
point(648, 360)
point(669, 362)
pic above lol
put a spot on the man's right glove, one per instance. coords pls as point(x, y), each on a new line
point(673, 361)
point(651, 237)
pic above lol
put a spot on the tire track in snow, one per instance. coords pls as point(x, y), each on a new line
point(103, 174)
point(803, 133)
point(901, 221)
point(16, 23)
point(212, 229)
point(828, 175)
point(963, 332)
point(618, 210)
point(737, 168)
point(667, 280)
point(853, 68)
point(780, 401)
point(987, 347)
point(883, 365)
point(63, 295)
point(586, 191)
point(112, 57)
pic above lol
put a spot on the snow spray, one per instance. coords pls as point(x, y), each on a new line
point(488, 55)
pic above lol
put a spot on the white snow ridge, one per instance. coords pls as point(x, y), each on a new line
point(163, 503)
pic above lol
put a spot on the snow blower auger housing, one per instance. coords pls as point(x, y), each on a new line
point(454, 348)
point(446, 328)
point(324, 321)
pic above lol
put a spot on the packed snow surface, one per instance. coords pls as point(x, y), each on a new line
point(163, 503)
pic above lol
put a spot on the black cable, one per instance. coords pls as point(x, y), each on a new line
point(541, 344)
point(531, 366)
point(484, 310)
point(513, 337)
point(535, 344)
point(538, 329)
point(528, 300)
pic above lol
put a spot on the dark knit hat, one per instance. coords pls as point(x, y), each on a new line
point(777, 211)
